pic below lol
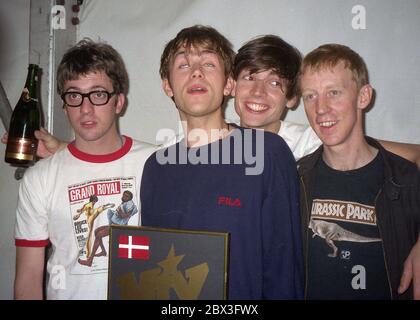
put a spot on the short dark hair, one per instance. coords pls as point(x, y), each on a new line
point(130, 194)
point(195, 36)
point(270, 52)
point(89, 56)
point(93, 198)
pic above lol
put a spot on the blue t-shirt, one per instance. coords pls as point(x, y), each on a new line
point(245, 184)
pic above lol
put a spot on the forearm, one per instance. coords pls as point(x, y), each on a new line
point(408, 151)
point(29, 273)
point(48, 144)
point(26, 288)
point(62, 145)
point(125, 215)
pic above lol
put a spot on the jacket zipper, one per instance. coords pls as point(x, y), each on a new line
point(383, 249)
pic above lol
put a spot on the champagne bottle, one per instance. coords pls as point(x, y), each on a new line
point(26, 118)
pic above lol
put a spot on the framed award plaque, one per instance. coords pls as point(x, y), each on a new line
point(167, 264)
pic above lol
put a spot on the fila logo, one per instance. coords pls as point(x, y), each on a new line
point(228, 201)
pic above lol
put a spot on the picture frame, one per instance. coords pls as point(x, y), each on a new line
point(167, 264)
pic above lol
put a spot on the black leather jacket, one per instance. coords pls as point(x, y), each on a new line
point(397, 208)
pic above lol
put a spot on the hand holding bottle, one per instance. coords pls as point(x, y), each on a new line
point(47, 143)
point(26, 118)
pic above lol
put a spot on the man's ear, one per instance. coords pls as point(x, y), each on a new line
point(233, 91)
point(292, 102)
point(119, 107)
point(230, 83)
point(167, 88)
point(365, 96)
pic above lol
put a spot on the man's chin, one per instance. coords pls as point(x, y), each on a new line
point(255, 124)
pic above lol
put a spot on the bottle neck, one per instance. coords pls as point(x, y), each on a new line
point(31, 83)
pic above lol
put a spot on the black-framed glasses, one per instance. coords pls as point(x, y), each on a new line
point(97, 97)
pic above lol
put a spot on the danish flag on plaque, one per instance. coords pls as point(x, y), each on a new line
point(133, 247)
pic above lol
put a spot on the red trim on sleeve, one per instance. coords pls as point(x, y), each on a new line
point(31, 243)
point(103, 158)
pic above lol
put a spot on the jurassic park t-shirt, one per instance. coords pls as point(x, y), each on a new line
point(346, 257)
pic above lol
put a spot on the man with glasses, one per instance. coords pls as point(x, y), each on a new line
point(99, 164)
point(97, 98)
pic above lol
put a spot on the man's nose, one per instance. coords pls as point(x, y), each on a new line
point(258, 88)
point(322, 105)
point(197, 71)
point(86, 106)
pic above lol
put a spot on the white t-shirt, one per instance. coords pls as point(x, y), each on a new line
point(300, 138)
point(57, 205)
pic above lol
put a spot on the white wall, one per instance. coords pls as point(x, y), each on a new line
point(14, 39)
point(389, 44)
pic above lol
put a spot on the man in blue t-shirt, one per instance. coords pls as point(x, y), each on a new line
point(225, 178)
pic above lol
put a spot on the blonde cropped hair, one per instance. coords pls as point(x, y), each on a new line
point(329, 55)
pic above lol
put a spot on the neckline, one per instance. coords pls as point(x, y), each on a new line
point(230, 126)
point(368, 166)
point(102, 158)
point(221, 130)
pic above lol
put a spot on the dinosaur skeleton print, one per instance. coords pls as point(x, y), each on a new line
point(340, 211)
point(345, 252)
